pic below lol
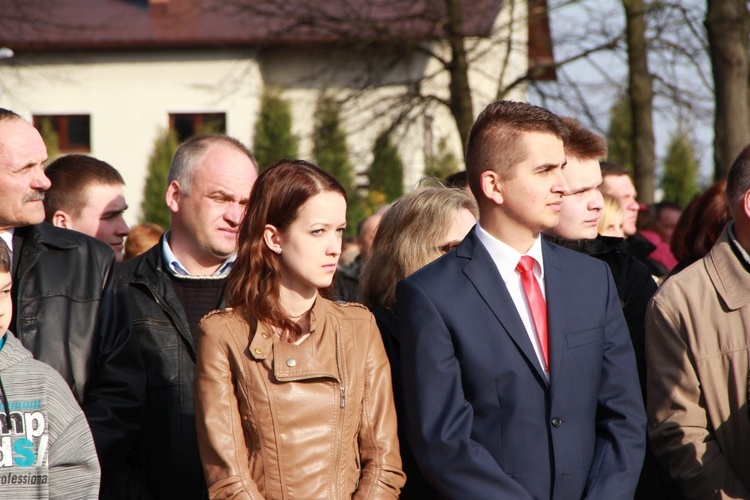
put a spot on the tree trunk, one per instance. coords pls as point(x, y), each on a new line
point(458, 67)
point(641, 92)
point(728, 32)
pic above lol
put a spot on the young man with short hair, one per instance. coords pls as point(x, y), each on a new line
point(519, 374)
point(87, 196)
point(579, 217)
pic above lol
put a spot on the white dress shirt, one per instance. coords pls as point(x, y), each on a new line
point(506, 259)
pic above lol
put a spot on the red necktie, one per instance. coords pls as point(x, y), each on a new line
point(536, 303)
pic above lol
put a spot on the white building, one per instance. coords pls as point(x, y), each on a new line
point(112, 74)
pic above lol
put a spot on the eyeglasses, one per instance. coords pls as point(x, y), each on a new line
point(449, 246)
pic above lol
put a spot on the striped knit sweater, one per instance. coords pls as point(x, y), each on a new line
point(48, 451)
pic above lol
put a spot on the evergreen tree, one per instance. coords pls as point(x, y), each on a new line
point(331, 154)
point(273, 131)
point(680, 173)
point(50, 138)
point(386, 174)
point(153, 207)
point(619, 135)
point(330, 147)
point(442, 162)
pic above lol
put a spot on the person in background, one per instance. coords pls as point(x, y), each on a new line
point(578, 230)
point(87, 195)
point(349, 250)
point(648, 228)
point(47, 448)
point(67, 304)
point(141, 238)
point(346, 281)
point(458, 180)
point(611, 218)
point(700, 225)
point(697, 346)
point(419, 227)
point(293, 391)
point(616, 182)
point(170, 288)
point(667, 214)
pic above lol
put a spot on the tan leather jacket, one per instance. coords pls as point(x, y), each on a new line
point(278, 420)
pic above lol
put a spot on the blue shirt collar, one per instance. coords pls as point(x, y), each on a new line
point(178, 269)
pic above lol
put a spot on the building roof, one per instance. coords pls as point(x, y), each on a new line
point(129, 24)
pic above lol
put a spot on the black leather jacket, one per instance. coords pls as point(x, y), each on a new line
point(165, 455)
point(67, 314)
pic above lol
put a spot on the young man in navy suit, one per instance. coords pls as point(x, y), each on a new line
point(518, 369)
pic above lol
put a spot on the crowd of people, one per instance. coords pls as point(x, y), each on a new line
point(524, 329)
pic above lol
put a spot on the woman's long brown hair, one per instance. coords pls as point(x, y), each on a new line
point(254, 281)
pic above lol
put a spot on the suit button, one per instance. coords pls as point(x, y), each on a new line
point(264, 335)
point(291, 362)
point(258, 350)
point(556, 422)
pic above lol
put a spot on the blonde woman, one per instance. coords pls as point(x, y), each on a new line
point(611, 217)
point(418, 228)
point(293, 391)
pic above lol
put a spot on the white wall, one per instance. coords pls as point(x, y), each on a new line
point(130, 97)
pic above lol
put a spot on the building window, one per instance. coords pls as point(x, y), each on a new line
point(186, 125)
point(71, 132)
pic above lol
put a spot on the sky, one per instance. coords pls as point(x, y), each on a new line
point(587, 23)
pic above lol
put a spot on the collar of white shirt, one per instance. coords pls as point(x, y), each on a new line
point(506, 257)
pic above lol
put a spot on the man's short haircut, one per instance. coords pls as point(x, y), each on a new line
point(190, 152)
point(496, 138)
point(582, 143)
point(738, 179)
point(70, 176)
point(609, 168)
point(6, 114)
point(4, 258)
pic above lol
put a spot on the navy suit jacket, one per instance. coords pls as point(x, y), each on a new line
point(483, 420)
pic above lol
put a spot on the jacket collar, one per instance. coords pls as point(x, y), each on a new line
point(30, 242)
point(727, 273)
point(318, 356)
point(149, 271)
point(48, 235)
point(481, 270)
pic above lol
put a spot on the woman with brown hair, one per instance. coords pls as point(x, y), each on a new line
point(293, 391)
point(700, 225)
point(418, 228)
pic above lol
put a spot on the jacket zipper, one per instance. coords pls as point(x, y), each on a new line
point(342, 406)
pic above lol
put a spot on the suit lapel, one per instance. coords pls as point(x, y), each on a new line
point(557, 309)
point(483, 274)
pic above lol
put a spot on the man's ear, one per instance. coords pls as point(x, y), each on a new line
point(173, 196)
point(272, 238)
point(61, 219)
point(491, 186)
point(746, 204)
